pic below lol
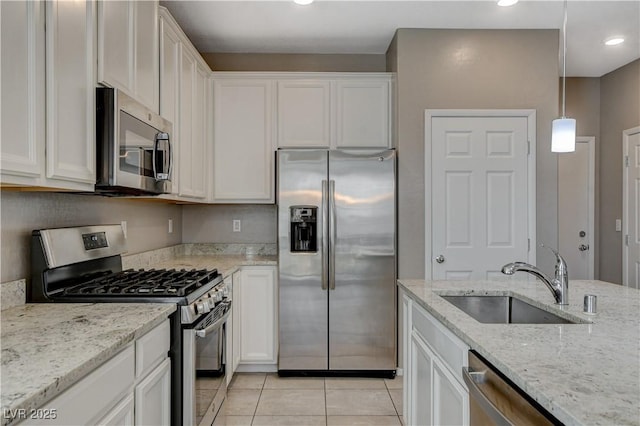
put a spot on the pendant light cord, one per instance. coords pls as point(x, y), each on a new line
point(564, 58)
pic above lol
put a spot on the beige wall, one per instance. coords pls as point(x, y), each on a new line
point(619, 110)
point(213, 224)
point(22, 212)
point(471, 69)
point(294, 62)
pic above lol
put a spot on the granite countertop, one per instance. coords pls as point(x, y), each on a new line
point(48, 347)
point(585, 373)
point(226, 264)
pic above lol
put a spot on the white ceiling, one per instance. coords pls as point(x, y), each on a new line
point(367, 27)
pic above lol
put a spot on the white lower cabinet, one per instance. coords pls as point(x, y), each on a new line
point(121, 415)
point(114, 394)
point(235, 315)
point(434, 391)
point(256, 321)
point(153, 397)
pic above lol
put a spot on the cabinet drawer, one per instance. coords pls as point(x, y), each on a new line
point(450, 348)
point(92, 397)
point(151, 349)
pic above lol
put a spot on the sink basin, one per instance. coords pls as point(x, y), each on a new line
point(504, 310)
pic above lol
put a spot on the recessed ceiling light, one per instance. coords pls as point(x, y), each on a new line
point(506, 3)
point(614, 41)
point(303, 2)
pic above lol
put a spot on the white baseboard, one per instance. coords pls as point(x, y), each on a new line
point(257, 368)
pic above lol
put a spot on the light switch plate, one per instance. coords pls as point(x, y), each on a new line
point(618, 225)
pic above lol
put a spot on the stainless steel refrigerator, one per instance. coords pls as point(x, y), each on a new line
point(337, 262)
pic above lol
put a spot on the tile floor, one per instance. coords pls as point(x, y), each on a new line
point(269, 400)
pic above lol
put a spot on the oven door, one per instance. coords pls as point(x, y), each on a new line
point(204, 384)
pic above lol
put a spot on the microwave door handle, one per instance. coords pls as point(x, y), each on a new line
point(163, 175)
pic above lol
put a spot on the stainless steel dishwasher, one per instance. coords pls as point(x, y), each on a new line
point(495, 400)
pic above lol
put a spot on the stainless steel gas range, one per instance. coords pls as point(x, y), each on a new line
point(84, 264)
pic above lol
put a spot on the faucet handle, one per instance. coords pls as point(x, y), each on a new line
point(561, 264)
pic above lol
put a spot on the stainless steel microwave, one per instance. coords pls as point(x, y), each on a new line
point(134, 155)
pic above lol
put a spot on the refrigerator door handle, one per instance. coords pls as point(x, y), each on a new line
point(332, 235)
point(325, 234)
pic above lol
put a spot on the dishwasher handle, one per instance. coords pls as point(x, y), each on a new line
point(474, 379)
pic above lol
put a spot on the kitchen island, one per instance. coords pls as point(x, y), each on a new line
point(585, 373)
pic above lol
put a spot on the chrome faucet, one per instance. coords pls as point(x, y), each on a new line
point(559, 285)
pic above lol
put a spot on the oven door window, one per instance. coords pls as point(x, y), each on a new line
point(137, 141)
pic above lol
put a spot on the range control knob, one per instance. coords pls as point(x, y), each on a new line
point(217, 296)
point(211, 302)
point(202, 308)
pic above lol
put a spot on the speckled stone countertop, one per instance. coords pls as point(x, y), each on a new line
point(48, 347)
point(584, 374)
point(226, 264)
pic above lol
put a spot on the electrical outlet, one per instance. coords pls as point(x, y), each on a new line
point(124, 228)
point(171, 226)
point(618, 225)
point(237, 225)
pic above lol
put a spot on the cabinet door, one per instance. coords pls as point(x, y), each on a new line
point(115, 44)
point(451, 400)
point(145, 65)
point(200, 135)
point(304, 108)
point(243, 155)
point(170, 51)
point(258, 315)
point(121, 415)
point(229, 326)
point(22, 118)
point(128, 49)
point(421, 376)
point(363, 114)
point(71, 108)
point(187, 77)
point(153, 397)
point(235, 360)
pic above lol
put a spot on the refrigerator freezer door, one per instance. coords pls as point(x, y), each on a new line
point(303, 325)
point(362, 299)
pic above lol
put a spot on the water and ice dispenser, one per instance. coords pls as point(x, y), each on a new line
point(304, 229)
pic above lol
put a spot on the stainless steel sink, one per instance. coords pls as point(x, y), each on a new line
point(504, 310)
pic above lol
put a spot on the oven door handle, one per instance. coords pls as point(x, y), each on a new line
point(203, 333)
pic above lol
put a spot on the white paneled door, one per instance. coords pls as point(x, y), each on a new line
point(479, 195)
point(576, 182)
point(631, 211)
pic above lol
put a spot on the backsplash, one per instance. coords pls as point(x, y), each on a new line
point(22, 212)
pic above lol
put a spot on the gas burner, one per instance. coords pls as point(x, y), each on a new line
point(152, 282)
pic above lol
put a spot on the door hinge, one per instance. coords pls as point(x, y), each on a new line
point(528, 244)
point(626, 240)
point(626, 161)
point(528, 147)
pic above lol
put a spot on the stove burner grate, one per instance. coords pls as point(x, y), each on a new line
point(160, 282)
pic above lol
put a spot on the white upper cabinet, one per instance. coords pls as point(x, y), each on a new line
point(243, 156)
point(70, 88)
point(363, 113)
point(22, 118)
point(193, 135)
point(185, 100)
point(304, 113)
point(128, 53)
point(66, 100)
point(334, 111)
point(170, 62)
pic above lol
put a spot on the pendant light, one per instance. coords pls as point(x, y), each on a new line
point(563, 129)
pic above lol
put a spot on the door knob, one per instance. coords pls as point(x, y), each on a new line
point(583, 247)
point(440, 259)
